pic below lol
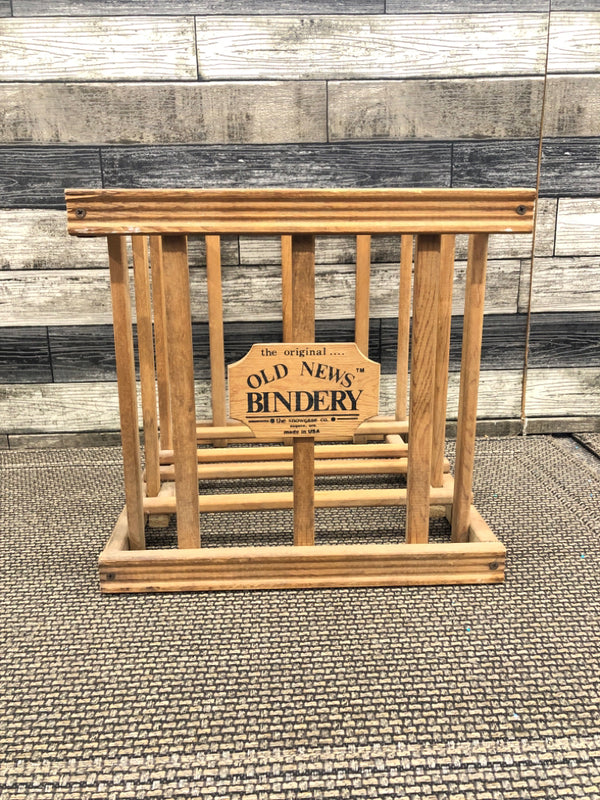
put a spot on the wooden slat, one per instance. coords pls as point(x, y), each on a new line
point(181, 378)
point(286, 287)
point(160, 333)
point(257, 453)
point(581, 177)
point(498, 108)
point(130, 439)
point(25, 355)
point(574, 42)
point(403, 338)
point(216, 335)
point(560, 283)
point(572, 105)
point(40, 8)
point(303, 330)
point(139, 246)
point(506, 162)
point(458, 6)
point(469, 385)
point(390, 46)
point(161, 113)
point(298, 211)
point(422, 384)
point(362, 293)
point(126, 48)
point(442, 359)
point(323, 498)
point(578, 226)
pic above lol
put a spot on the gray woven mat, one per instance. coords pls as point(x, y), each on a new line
point(444, 692)
point(590, 440)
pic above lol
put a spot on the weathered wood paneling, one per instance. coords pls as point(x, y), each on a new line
point(461, 6)
point(495, 163)
point(570, 167)
point(204, 7)
point(561, 284)
point(24, 355)
point(394, 46)
point(572, 106)
point(149, 113)
point(319, 165)
point(574, 43)
point(103, 48)
point(37, 176)
point(82, 297)
point(5, 8)
point(545, 226)
point(574, 5)
point(569, 339)
point(478, 108)
point(578, 227)
point(563, 392)
point(51, 408)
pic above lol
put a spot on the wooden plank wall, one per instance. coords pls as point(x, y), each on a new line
point(298, 93)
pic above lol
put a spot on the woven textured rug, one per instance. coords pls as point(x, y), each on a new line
point(591, 441)
point(425, 692)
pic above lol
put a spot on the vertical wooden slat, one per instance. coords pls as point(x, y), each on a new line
point(215, 329)
point(361, 298)
point(469, 385)
point(303, 330)
point(130, 436)
point(160, 337)
point(181, 374)
point(406, 260)
point(442, 358)
point(143, 307)
point(422, 383)
point(286, 287)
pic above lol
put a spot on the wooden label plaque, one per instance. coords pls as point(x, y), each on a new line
point(312, 389)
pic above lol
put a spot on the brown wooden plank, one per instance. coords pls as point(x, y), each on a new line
point(211, 455)
point(404, 304)
point(422, 384)
point(181, 377)
point(286, 287)
point(442, 358)
point(309, 211)
point(130, 438)
point(160, 334)
point(469, 386)
point(143, 305)
point(215, 326)
point(303, 330)
point(362, 293)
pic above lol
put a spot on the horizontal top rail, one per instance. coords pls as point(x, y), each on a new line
point(99, 212)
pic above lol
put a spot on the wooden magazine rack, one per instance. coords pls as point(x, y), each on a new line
point(186, 450)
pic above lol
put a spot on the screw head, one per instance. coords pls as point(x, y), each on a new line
point(521, 210)
point(80, 213)
point(493, 565)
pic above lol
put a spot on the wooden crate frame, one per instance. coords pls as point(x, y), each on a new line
point(158, 222)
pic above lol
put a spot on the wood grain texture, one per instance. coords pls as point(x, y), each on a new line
point(333, 165)
point(163, 113)
point(102, 48)
point(394, 46)
point(5, 8)
point(545, 228)
point(574, 5)
point(578, 227)
point(37, 176)
point(25, 355)
point(461, 6)
point(81, 297)
point(491, 108)
point(574, 43)
point(495, 163)
point(570, 167)
point(563, 283)
point(559, 392)
point(565, 339)
point(70, 407)
point(572, 105)
point(39, 8)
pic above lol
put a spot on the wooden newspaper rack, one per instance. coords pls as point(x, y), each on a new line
point(180, 450)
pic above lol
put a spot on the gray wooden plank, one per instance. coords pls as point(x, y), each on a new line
point(370, 46)
point(570, 167)
point(475, 108)
point(5, 9)
point(545, 226)
point(565, 339)
point(572, 106)
point(561, 392)
point(82, 297)
point(36, 177)
point(37, 441)
point(40, 8)
point(574, 41)
point(4, 442)
point(503, 343)
point(319, 165)
point(561, 284)
point(578, 226)
point(100, 48)
point(462, 6)
point(86, 407)
point(495, 163)
point(162, 113)
point(24, 355)
point(574, 5)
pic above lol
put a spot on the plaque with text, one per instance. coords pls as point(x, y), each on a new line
point(314, 389)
